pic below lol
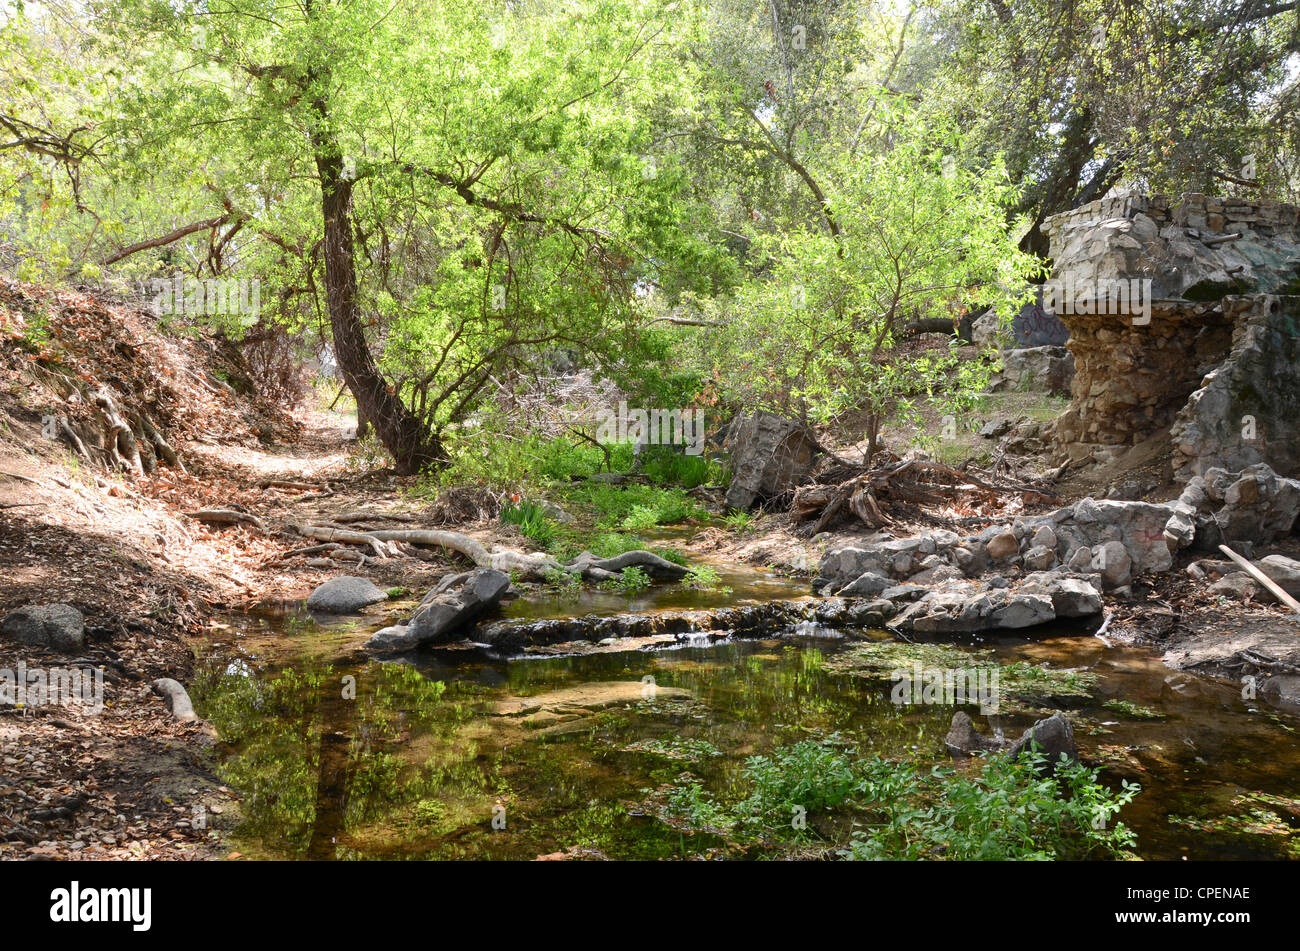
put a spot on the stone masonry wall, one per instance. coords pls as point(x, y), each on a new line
point(1202, 263)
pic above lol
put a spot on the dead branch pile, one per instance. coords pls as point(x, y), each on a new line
point(867, 494)
point(462, 504)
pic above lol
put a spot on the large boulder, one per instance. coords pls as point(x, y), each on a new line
point(457, 601)
point(1282, 570)
point(59, 627)
point(769, 456)
point(345, 595)
point(1049, 369)
point(867, 585)
point(1130, 536)
point(1073, 597)
point(1024, 610)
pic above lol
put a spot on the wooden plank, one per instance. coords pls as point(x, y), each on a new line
point(1263, 579)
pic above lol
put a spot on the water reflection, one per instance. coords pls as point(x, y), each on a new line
point(369, 760)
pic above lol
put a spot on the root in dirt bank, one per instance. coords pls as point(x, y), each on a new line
point(106, 383)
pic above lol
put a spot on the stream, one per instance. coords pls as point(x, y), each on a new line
point(458, 754)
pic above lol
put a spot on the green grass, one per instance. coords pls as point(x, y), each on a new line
point(532, 521)
point(738, 521)
point(1134, 710)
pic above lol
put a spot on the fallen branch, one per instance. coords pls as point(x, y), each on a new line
point(1263, 579)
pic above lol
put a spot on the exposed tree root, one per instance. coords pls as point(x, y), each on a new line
point(908, 481)
point(527, 565)
point(227, 517)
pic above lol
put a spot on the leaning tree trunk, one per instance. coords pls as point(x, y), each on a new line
point(412, 445)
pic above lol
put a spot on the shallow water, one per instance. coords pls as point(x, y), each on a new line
point(413, 763)
point(741, 583)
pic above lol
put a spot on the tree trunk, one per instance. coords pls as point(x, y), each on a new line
point(411, 444)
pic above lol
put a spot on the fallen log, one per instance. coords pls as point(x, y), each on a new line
point(176, 698)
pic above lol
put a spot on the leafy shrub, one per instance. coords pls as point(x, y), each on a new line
point(565, 582)
point(1005, 810)
point(704, 578)
point(629, 581)
point(642, 518)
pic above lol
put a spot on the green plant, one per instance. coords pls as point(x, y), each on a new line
point(566, 583)
point(1003, 809)
point(430, 812)
point(1134, 710)
point(704, 578)
point(738, 520)
point(642, 518)
point(532, 520)
point(629, 581)
point(667, 466)
point(609, 544)
point(1007, 810)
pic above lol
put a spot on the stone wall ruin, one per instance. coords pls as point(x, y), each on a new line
point(1213, 354)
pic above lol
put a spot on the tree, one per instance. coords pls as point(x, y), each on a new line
point(456, 188)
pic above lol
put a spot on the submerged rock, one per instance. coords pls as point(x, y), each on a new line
point(59, 627)
point(1052, 738)
point(964, 740)
point(345, 595)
